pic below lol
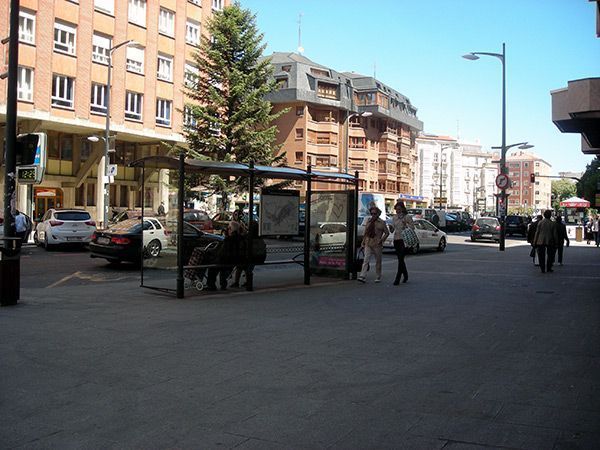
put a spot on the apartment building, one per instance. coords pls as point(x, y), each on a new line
point(345, 122)
point(65, 47)
point(455, 175)
point(524, 194)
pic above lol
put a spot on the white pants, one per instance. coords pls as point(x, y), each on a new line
point(372, 251)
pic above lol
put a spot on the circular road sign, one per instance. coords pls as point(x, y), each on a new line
point(502, 181)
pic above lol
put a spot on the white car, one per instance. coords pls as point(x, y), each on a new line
point(64, 226)
point(331, 233)
point(430, 237)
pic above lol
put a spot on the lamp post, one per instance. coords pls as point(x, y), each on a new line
point(348, 117)
point(502, 57)
point(442, 148)
point(105, 187)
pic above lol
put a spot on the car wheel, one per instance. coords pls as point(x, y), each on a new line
point(153, 248)
point(36, 241)
point(415, 249)
point(442, 245)
point(46, 245)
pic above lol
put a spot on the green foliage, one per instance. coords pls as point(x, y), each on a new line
point(587, 187)
point(233, 121)
point(521, 210)
point(561, 190)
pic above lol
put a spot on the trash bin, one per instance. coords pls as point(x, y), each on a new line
point(579, 234)
point(10, 271)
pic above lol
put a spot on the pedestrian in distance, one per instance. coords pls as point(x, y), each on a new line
point(22, 227)
point(161, 209)
point(561, 230)
point(596, 230)
point(545, 240)
point(589, 234)
point(402, 221)
point(531, 235)
point(227, 256)
point(376, 232)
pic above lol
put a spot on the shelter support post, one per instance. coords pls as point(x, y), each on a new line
point(354, 225)
point(307, 226)
point(180, 195)
point(250, 237)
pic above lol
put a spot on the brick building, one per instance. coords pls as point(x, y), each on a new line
point(345, 122)
point(63, 61)
point(524, 194)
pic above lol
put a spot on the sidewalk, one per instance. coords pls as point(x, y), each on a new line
point(479, 349)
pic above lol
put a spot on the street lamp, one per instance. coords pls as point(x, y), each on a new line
point(106, 137)
point(348, 117)
point(442, 148)
point(502, 57)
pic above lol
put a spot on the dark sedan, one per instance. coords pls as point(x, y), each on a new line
point(516, 225)
point(123, 241)
point(486, 228)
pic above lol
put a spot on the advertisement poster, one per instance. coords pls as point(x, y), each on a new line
point(279, 212)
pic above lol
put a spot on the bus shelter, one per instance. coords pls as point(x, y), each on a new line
point(329, 239)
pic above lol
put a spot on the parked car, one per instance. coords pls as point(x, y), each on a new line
point(516, 225)
point(199, 219)
point(123, 241)
point(486, 228)
point(64, 226)
point(453, 224)
point(430, 236)
point(430, 214)
point(331, 233)
point(463, 219)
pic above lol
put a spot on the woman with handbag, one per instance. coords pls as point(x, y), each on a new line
point(376, 232)
point(404, 237)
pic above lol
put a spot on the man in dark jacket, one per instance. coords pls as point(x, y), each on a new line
point(545, 241)
point(561, 230)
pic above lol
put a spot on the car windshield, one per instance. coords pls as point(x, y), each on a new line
point(127, 226)
point(73, 215)
point(415, 211)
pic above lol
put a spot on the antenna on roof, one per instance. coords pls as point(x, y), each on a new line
point(300, 48)
point(374, 69)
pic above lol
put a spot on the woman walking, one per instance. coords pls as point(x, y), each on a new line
point(376, 232)
point(402, 221)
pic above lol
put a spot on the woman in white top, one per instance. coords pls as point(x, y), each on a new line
point(401, 221)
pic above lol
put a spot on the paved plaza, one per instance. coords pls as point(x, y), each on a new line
point(478, 350)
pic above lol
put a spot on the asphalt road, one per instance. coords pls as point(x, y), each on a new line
point(74, 266)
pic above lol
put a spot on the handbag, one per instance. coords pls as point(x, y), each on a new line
point(409, 237)
point(532, 252)
point(360, 259)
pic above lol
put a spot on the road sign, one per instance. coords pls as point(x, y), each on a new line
point(111, 170)
point(502, 181)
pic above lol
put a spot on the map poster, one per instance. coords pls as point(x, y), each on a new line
point(279, 212)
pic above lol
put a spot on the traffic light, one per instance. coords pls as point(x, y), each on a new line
point(31, 149)
point(532, 177)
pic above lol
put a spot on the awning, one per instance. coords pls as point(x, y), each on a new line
point(575, 202)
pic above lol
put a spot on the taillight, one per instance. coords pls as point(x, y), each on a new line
point(91, 223)
point(55, 223)
point(120, 240)
point(475, 227)
point(94, 236)
point(497, 227)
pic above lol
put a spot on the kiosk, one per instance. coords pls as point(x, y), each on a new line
point(573, 210)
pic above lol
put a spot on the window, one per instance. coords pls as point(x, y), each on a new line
point(299, 133)
point(217, 5)
point(26, 27)
point(64, 38)
point(100, 48)
point(163, 112)
point(166, 22)
point(85, 151)
point(190, 77)
point(135, 59)
point(192, 32)
point(188, 117)
point(281, 82)
point(165, 68)
point(98, 101)
point(299, 157)
point(25, 84)
point(299, 110)
point(62, 91)
point(133, 106)
point(107, 6)
point(286, 68)
point(195, 2)
point(327, 90)
point(137, 12)
point(319, 72)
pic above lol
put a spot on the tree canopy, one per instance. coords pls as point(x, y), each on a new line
point(588, 186)
point(561, 190)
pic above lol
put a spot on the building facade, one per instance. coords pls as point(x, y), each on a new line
point(525, 195)
point(345, 122)
point(452, 174)
point(65, 46)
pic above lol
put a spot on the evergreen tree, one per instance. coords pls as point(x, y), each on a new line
point(232, 120)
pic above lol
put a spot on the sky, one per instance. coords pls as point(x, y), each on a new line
point(415, 47)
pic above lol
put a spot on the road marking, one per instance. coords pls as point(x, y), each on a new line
point(62, 280)
point(92, 277)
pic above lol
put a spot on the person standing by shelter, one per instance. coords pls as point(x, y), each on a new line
point(401, 221)
point(561, 231)
point(376, 232)
point(545, 241)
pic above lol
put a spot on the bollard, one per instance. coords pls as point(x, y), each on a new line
point(10, 271)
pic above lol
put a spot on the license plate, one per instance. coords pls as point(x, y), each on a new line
point(486, 235)
point(73, 238)
point(103, 240)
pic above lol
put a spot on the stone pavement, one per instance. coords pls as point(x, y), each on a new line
point(478, 350)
